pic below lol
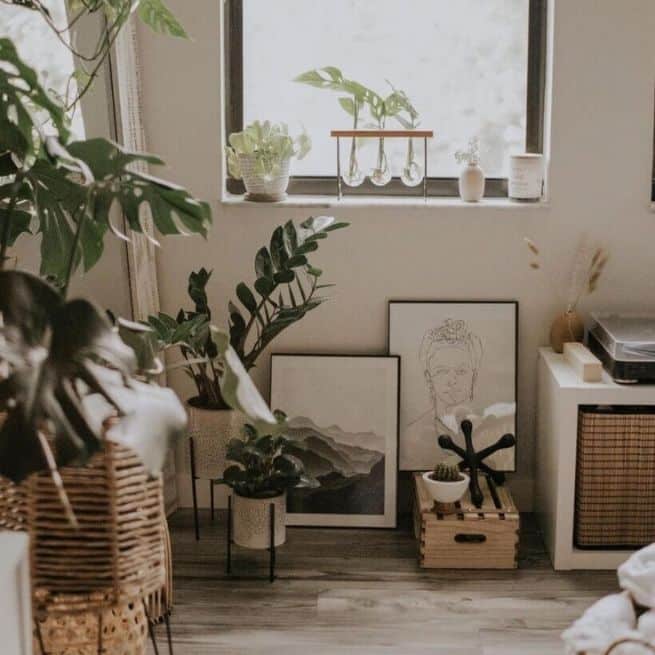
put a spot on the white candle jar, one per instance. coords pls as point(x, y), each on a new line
point(526, 177)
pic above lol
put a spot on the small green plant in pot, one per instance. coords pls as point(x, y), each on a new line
point(262, 473)
point(261, 156)
point(446, 483)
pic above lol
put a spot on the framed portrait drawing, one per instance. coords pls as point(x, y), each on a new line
point(458, 360)
point(343, 424)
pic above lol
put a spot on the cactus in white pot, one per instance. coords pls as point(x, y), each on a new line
point(261, 155)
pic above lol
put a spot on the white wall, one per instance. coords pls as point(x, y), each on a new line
point(600, 169)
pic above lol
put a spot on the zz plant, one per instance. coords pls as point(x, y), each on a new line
point(286, 288)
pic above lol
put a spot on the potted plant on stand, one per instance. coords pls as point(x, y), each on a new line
point(261, 156)
point(262, 473)
point(286, 288)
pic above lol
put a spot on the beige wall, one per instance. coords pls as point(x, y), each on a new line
point(600, 166)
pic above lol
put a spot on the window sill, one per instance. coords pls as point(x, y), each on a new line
point(409, 202)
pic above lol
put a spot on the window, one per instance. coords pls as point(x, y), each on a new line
point(41, 48)
point(471, 68)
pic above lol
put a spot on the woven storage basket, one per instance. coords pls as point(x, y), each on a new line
point(118, 553)
point(121, 630)
point(615, 480)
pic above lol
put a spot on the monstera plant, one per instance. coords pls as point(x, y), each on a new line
point(63, 366)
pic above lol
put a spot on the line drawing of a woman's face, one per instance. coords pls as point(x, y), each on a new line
point(450, 356)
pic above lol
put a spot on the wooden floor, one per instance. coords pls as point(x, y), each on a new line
point(361, 592)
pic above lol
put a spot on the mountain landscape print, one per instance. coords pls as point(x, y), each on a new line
point(349, 467)
point(343, 425)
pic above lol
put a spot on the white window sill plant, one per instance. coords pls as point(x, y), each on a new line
point(261, 156)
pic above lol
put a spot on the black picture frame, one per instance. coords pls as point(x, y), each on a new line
point(442, 301)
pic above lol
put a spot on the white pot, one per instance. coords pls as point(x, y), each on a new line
point(211, 430)
point(471, 183)
point(446, 492)
point(262, 189)
point(251, 520)
point(526, 177)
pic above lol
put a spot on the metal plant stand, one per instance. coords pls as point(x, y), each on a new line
point(271, 548)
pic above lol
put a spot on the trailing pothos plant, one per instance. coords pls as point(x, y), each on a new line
point(286, 288)
point(262, 466)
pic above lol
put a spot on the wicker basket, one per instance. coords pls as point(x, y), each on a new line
point(120, 630)
point(117, 555)
point(615, 481)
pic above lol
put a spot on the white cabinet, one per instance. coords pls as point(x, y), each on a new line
point(15, 600)
point(560, 394)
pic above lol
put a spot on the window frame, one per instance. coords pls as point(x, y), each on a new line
point(437, 186)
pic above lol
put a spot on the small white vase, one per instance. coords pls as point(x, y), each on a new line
point(471, 183)
point(446, 492)
point(251, 521)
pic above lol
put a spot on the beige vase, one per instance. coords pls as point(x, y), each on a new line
point(566, 327)
point(211, 430)
point(251, 521)
point(471, 183)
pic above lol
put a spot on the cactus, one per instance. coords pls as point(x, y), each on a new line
point(446, 472)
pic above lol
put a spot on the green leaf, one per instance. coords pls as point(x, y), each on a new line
point(196, 288)
point(173, 209)
point(263, 264)
point(290, 237)
point(21, 92)
point(278, 250)
point(264, 286)
point(314, 272)
point(20, 224)
point(285, 277)
point(348, 105)
point(296, 261)
point(246, 297)
point(156, 15)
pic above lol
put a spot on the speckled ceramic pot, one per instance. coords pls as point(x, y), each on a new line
point(251, 521)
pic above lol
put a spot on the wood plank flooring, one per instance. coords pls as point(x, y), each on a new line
point(361, 592)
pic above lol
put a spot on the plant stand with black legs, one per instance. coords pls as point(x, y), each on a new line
point(271, 548)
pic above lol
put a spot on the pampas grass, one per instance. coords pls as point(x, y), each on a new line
point(587, 269)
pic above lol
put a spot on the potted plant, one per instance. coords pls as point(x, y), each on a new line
point(286, 288)
point(446, 484)
point(471, 179)
point(261, 155)
point(262, 473)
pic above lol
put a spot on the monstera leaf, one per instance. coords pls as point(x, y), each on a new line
point(58, 355)
point(174, 210)
point(21, 96)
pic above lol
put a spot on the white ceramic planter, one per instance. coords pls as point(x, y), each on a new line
point(446, 492)
point(211, 430)
point(260, 189)
point(471, 183)
point(251, 521)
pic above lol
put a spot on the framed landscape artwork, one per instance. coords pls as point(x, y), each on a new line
point(459, 360)
point(343, 422)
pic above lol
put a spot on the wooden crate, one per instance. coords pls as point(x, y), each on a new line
point(461, 536)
